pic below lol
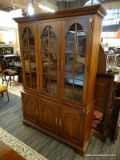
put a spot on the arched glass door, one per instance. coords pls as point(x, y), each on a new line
point(49, 61)
point(29, 69)
point(75, 52)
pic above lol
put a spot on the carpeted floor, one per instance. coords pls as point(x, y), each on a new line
point(47, 146)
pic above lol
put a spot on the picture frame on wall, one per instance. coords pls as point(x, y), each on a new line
point(8, 37)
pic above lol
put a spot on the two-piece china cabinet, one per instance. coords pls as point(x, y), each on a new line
point(59, 63)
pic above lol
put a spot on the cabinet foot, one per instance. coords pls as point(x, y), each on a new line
point(80, 152)
point(26, 124)
point(104, 140)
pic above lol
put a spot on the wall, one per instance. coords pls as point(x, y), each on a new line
point(113, 5)
point(112, 42)
point(8, 22)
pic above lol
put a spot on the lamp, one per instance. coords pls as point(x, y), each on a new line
point(47, 6)
point(30, 8)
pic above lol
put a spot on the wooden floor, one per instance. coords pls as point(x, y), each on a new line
point(7, 153)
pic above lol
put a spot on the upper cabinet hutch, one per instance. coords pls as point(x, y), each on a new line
point(59, 64)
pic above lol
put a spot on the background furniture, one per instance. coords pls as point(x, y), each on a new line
point(1, 60)
point(7, 152)
point(4, 88)
point(10, 73)
point(107, 92)
point(10, 66)
point(114, 123)
point(59, 63)
point(6, 50)
point(103, 106)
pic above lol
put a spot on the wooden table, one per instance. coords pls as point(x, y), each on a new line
point(7, 153)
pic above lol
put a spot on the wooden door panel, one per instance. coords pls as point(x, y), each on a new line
point(48, 116)
point(30, 108)
point(71, 127)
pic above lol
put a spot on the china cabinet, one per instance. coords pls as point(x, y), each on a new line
point(59, 63)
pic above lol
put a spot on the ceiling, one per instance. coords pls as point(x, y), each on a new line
point(8, 5)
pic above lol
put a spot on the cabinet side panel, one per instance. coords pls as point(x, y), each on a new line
point(94, 56)
point(88, 126)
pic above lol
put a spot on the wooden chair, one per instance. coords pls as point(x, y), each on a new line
point(1, 60)
point(8, 71)
point(4, 88)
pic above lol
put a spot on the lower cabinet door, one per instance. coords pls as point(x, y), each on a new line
point(30, 108)
point(71, 125)
point(48, 116)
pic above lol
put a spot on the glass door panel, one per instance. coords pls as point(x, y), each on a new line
point(49, 60)
point(29, 59)
point(74, 63)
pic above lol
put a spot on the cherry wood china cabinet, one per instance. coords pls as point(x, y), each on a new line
point(59, 64)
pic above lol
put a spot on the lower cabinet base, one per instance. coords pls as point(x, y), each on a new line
point(80, 152)
point(77, 148)
point(62, 121)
